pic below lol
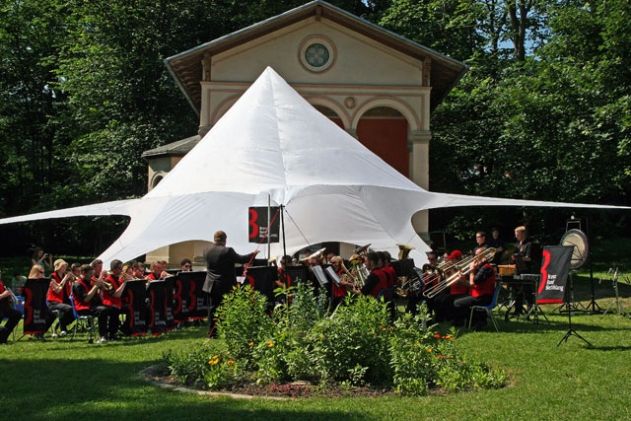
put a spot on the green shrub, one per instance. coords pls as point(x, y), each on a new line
point(189, 367)
point(354, 340)
point(243, 322)
point(222, 371)
point(412, 357)
point(355, 346)
point(284, 354)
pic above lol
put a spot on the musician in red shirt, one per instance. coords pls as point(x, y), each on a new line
point(391, 274)
point(158, 272)
point(482, 288)
point(378, 283)
point(138, 270)
point(338, 292)
point(444, 303)
point(58, 292)
point(7, 311)
point(85, 292)
point(111, 297)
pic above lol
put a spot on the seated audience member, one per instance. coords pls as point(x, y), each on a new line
point(482, 288)
point(58, 294)
point(85, 291)
point(186, 265)
point(7, 312)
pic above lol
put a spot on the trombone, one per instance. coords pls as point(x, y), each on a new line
point(463, 268)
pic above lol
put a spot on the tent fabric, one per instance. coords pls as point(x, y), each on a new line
point(273, 142)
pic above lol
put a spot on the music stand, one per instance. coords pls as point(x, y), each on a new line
point(571, 331)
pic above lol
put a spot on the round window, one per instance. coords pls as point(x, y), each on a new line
point(317, 53)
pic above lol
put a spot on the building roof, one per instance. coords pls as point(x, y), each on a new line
point(186, 67)
point(177, 148)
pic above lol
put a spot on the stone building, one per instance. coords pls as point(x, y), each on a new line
point(375, 84)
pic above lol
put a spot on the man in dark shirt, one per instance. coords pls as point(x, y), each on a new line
point(220, 276)
point(480, 241)
point(523, 260)
point(497, 243)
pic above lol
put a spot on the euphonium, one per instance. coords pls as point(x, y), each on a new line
point(358, 271)
point(462, 269)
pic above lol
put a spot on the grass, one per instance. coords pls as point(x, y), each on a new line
point(62, 379)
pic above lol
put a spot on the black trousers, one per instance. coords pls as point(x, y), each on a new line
point(444, 306)
point(113, 320)
point(521, 292)
point(215, 298)
point(65, 314)
point(13, 318)
point(413, 301)
point(463, 305)
point(104, 315)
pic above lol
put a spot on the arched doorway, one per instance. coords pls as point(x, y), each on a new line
point(332, 115)
point(384, 131)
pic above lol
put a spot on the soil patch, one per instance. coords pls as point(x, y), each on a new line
point(159, 376)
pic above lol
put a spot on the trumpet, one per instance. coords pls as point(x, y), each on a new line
point(463, 268)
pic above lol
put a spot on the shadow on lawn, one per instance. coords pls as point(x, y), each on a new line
point(105, 389)
point(545, 327)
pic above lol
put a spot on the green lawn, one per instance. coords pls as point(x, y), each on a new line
point(61, 379)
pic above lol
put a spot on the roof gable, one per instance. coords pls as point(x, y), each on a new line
point(186, 67)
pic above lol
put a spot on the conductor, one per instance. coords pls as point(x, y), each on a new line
point(220, 276)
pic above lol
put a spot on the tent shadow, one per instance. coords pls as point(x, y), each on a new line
point(107, 389)
point(610, 348)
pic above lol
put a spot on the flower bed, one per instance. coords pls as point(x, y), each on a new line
point(355, 348)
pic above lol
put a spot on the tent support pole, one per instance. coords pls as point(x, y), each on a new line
point(282, 223)
point(269, 237)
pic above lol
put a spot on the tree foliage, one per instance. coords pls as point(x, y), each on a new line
point(544, 111)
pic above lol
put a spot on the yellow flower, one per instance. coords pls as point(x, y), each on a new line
point(214, 360)
point(429, 349)
point(230, 362)
point(270, 343)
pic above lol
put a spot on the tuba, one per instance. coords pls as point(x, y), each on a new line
point(404, 251)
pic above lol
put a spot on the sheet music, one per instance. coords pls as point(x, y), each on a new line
point(333, 276)
point(320, 276)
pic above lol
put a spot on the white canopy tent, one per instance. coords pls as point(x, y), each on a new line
point(273, 142)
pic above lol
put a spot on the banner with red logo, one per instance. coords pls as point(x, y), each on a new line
point(257, 224)
point(555, 266)
point(36, 313)
point(134, 295)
